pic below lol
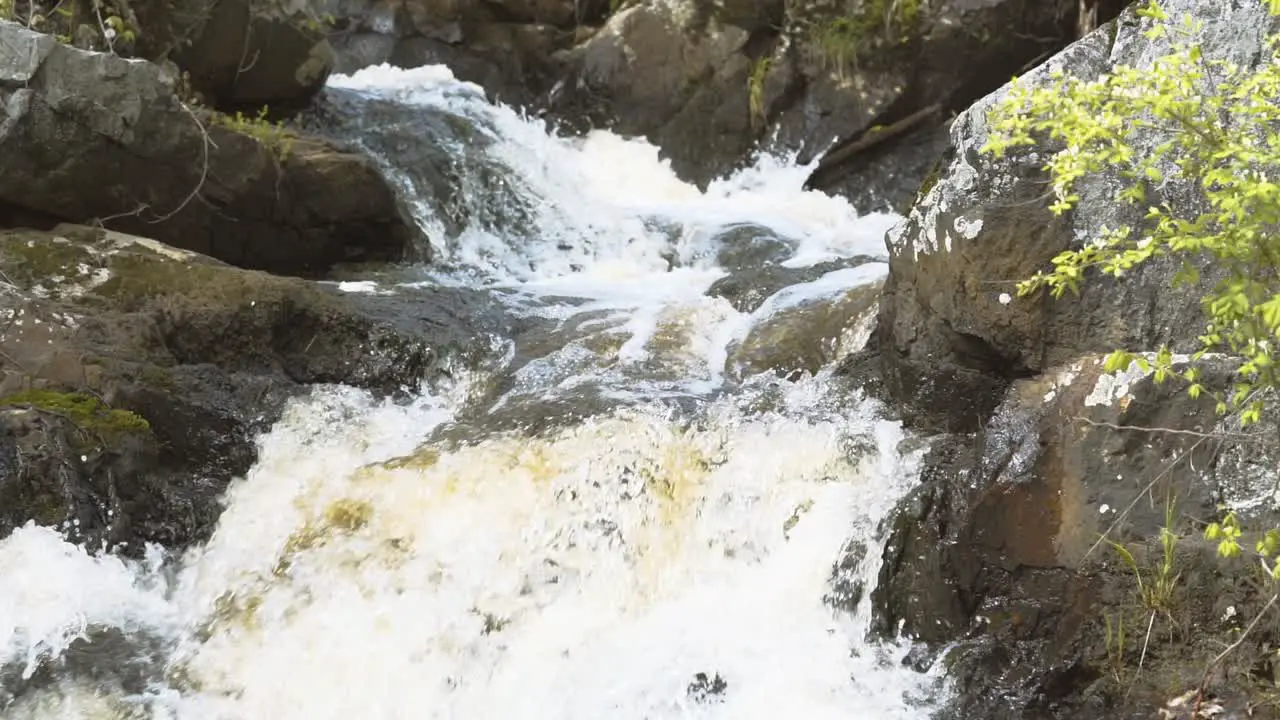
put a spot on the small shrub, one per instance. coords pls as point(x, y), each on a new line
point(1222, 126)
point(838, 43)
point(755, 90)
point(272, 135)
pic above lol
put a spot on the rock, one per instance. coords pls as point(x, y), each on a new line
point(998, 549)
point(249, 54)
point(747, 288)
point(706, 82)
point(93, 136)
point(510, 60)
point(807, 326)
point(949, 335)
point(997, 559)
point(237, 54)
point(666, 73)
point(846, 583)
point(704, 689)
point(749, 246)
point(506, 47)
point(441, 155)
point(135, 376)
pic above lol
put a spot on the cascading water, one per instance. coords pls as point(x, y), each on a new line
point(614, 514)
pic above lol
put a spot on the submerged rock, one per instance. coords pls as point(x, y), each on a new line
point(134, 376)
point(88, 135)
point(803, 328)
point(704, 688)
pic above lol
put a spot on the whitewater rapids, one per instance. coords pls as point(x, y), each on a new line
point(669, 557)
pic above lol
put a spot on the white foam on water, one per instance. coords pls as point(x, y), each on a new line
point(598, 196)
point(52, 593)
point(592, 571)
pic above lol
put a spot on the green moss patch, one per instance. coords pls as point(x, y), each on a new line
point(30, 260)
point(86, 411)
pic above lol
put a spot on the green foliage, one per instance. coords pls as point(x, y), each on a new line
point(1116, 644)
point(840, 42)
point(272, 135)
point(755, 90)
point(87, 412)
point(1221, 130)
point(6, 9)
point(1227, 532)
point(1156, 589)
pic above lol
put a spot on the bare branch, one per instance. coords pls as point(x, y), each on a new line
point(1239, 437)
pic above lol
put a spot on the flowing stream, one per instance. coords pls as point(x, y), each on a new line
point(651, 500)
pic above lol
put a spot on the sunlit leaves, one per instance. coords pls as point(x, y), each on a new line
point(1186, 122)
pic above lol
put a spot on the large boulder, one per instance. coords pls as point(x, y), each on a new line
point(249, 54)
point(92, 136)
point(949, 334)
point(1004, 553)
point(238, 54)
point(134, 376)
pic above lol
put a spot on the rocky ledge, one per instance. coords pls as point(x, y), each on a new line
point(868, 87)
point(135, 376)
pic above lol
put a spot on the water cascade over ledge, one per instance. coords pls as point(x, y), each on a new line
point(622, 509)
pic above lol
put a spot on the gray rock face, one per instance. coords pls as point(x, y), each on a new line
point(89, 136)
point(997, 555)
point(947, 328)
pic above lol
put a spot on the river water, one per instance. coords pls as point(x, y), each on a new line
point(620, 511)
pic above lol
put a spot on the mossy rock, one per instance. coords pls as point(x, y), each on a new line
point(87, 412)
point(30, 259)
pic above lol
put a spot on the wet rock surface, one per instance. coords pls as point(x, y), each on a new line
point(90, 136)
point(234, 54)
point(135, 376)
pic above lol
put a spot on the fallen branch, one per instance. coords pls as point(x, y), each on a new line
point(1239, 437)
point(874, 137)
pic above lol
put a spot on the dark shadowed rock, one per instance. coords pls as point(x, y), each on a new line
point(249, 54)
point(134, 376)
point(706, 82)
point(90, 135)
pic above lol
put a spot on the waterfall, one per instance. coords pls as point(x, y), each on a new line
point(613, 513)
